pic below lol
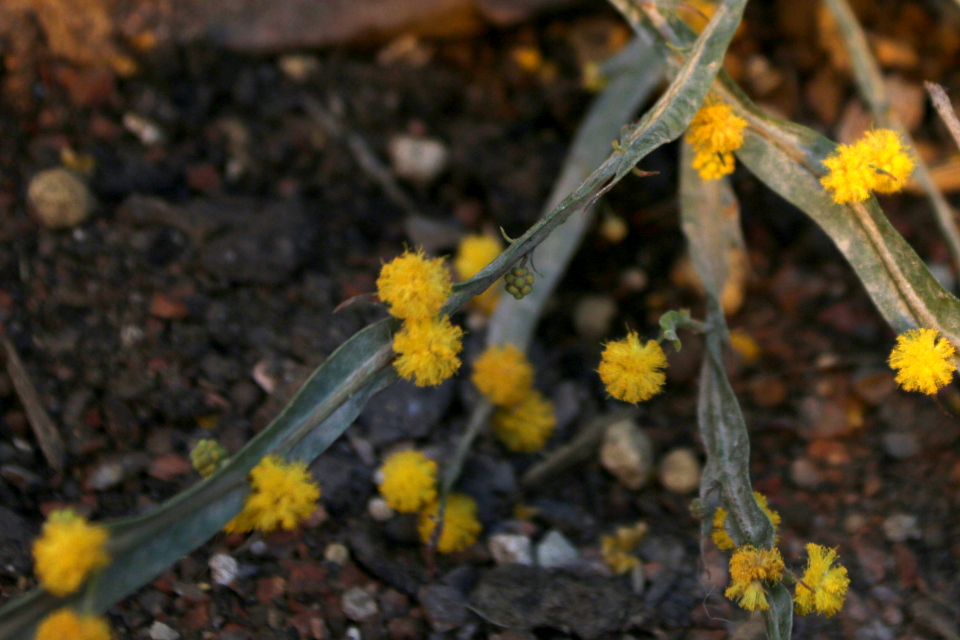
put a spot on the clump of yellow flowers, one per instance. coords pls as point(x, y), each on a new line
point(475, 252)
point(878, 162)
point(715, 133)
point(525, 427)
point(68, 550)
point(720, 536)
point(414, 289)
point(64, 624)
point(923, 360)
point(408, 481)
point(751, 570)
point(633, 371)
point(617, 549)
point(460, 524)
point(282, 495)
point(823, 587)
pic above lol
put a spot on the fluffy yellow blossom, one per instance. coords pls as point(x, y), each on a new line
point(460, 524)
point(720, 536)
point(923, 360)
point(503, 374)
point(823, 587)
point(887, 156)
point(714, 133)
point(525, 427)
point(617, 549)
point(750, 569)
point(878, 162)
point(414, 286)
point(427, 351)
point(633, 372)
point(409, 481)
point(282, 494)
point(474, 253)
point(68, 550)
point(64, 624)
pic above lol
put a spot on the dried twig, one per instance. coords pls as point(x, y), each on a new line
point(43, 428)
point(942, 103)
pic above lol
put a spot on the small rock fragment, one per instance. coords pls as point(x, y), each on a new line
point(59, 199)
point(160, 631)
point(680, 471)
point(901, 527)
point(556, 551)
point(224, 568)
point(804, 473)
point(444, 606)
point(358, 605)
point(593, 315)
point(900, 444)
point(509, 548)
point(336, 553)
point(418, 159)
point(627, 453)
point(379, 509)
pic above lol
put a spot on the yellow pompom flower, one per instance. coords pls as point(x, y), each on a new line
point(409, 481)
point(823, 587)
point(503, 374)
point(460, 525)
point(525, 427)
point(617, 549)
point(714, 133)
point(720, 536)
point(923, 361)
point(427, 351)
point(413, 286)
point(68, 550)
point(887, 156)
point(750, 569)
point(850, 177)
point(633, 372)
point(282, 495)
point(713, 166)
point(64, 624)
point(474, 253)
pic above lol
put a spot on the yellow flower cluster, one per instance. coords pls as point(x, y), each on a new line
point(460, 524)
point(878, 162)
point(923, 361)
point(633, 372)
point(474, 253)
point(751, 569)
point(408, 481)
point(524, 419)
point(715, 133)
point(64, 624)
point(415, 287)
point(68, 550)
point(720, 536)
point(617, 549)
point(282, 495)
point(823, 587)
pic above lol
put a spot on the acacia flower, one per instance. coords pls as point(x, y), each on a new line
point(474, 253)
point(460, 524)
point(427, 351)
point(617, 549)
point(207, 456)
point(413, 286)
point(409, 481)
point(823, 587)
point(889, 159)
point(525, 427)
point(68, 550)
point(714, 133)
point(633, 372)
point(878, 162)
point(750, 569)
point(923, 360)
point(64, 624)
point(282, 495)
point(720, 536)
point(503, 374)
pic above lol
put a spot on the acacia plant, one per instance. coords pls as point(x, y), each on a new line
point(265, 485)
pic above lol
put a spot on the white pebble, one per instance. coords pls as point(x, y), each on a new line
point(224, 568)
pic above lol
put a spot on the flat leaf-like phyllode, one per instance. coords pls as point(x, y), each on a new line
point(720, 536)
point(923, 360)
point(633, 372)
point(68, 550)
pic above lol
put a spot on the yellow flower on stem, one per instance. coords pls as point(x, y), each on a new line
point(409, 481)
point(633, 372)
point(68, 550)
point(282, 495)
point(413, 286)
point(525, 427)
point(460, 524)
point(713, 166)
point(923, 361)
point(64, 624)
point(617, 549)
point(427, 351)
point(750, 570)
point(823, 587)
point(474, 253)
point(850, 177)
point(720, 536)
point(888, 158)
point(714, 133)
point(503, 374)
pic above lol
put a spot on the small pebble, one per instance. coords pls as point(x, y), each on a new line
point(900, 444)
point(358, 605)
point(680, 471)
point(509, 548)
point(224, 568)
point(336, 553)
point(160, 631)
point(593, 315)
point(59, 199)
point(901, 527)
point(554, 550)
point(627, 453)
point(804, 473)
point(379, 509)
point(418, 159)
